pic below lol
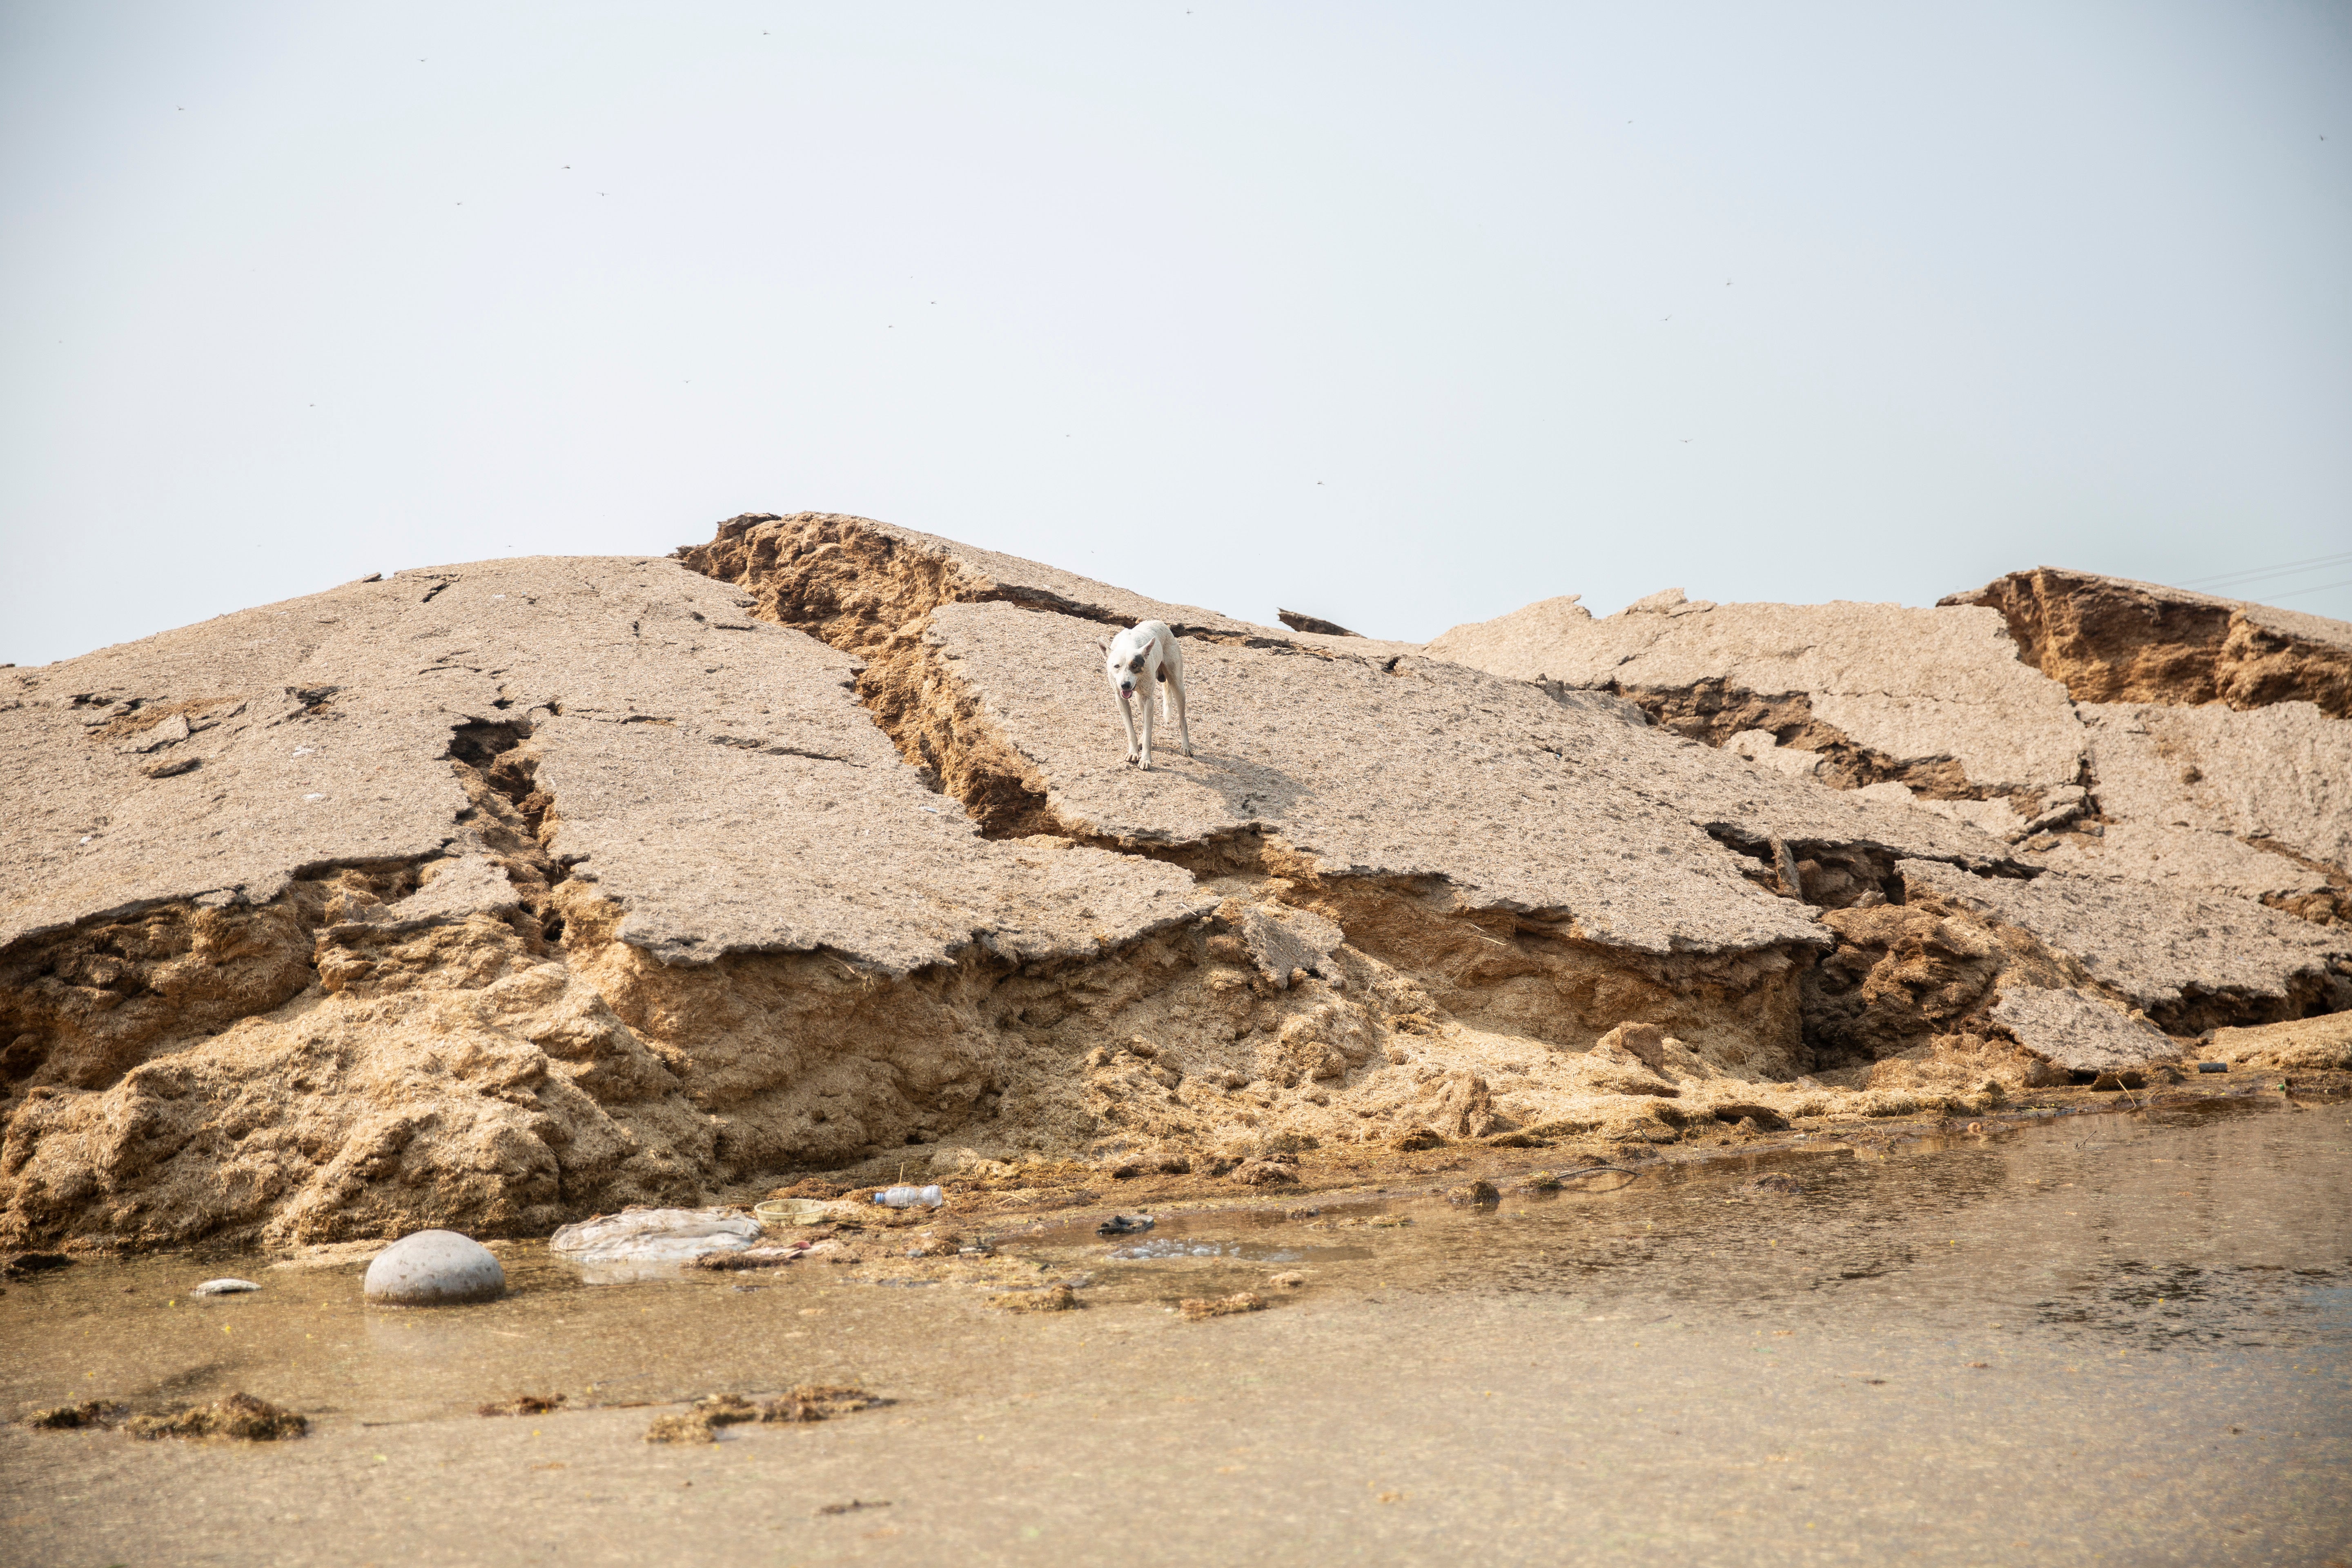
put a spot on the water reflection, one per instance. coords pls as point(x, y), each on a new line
point(1255, 1252)
point(2183, 1233)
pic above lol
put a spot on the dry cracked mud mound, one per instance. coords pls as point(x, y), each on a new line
point(1521, 868)
point(493, 896)
point(2188, 862)
point(2110, 639)
point(1940, 710)
point(1853, 694)
point(489, 896)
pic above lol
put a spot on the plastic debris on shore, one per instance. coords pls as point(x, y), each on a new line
point(636, 1243)
point(910, 1197)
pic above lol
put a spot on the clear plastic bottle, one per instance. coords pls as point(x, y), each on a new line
point(908, 1197)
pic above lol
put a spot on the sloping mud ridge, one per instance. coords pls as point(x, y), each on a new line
point(497, 895)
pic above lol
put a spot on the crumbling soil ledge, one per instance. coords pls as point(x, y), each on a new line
point(1075, 1195)
point(2113, 640)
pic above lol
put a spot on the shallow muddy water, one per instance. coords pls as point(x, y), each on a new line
point(2096, 1339)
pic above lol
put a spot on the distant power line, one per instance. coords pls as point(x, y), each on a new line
point(2286, 569)
point(2291, 593)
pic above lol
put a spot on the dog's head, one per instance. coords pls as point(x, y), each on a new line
point(1123, 661)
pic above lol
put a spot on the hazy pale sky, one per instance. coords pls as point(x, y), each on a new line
point(1402, 315)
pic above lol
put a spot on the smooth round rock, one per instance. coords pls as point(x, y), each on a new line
point(434, 1268)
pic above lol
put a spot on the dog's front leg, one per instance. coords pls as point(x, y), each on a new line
point(1146, 701)
point(1127, 717)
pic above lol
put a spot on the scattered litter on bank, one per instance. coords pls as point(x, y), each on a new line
point(909, 1197)
point(638, 1238)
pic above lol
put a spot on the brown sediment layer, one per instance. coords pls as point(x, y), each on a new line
point(858, 589)
point(1906, 1000)
point(2331, 905)
point(2111, 640)
point(1712, 712)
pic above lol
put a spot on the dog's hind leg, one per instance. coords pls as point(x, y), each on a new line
point(1171, 683)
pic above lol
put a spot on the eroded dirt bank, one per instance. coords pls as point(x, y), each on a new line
point(2112, 640)
point(492, 895)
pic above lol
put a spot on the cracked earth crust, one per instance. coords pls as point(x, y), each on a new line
point(2142, 824)
point(493, 896)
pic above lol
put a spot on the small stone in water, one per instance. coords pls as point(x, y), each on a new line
point(432, 1269)
point(223, 1288)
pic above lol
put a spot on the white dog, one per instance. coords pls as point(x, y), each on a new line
point(1138, 659)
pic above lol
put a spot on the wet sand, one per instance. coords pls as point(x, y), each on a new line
point(2098, 1339)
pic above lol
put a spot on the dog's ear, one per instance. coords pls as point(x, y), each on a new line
point(1102, 645)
